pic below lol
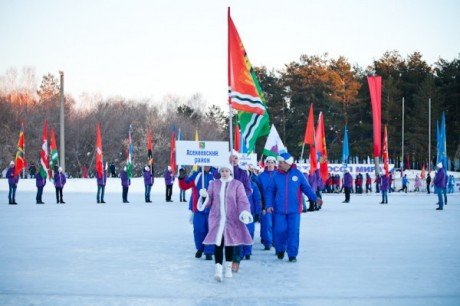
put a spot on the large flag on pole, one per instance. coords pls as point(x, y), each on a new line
point(54, 157)
point(99, 156)
point(321, 148)
point(20, 160)
point(442, 144)
point(310, 129)
point(274, 146)
point(44, 164)
point(172, 159)
point(385, 152)
point(375, 88)
point(150, 148)
point(345, 148)
point(129, 159)
point(245, 93)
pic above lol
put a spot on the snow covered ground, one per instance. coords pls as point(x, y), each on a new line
point(361, 253)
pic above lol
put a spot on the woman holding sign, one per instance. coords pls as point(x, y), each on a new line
point(229, 214)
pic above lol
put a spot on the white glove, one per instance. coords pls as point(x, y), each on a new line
point(246, 217)
point(203, 193)
point(190, 217)
point(202, 205)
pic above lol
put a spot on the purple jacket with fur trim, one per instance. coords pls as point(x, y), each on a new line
point(229, 226)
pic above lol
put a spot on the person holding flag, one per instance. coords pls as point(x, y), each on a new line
point(169, 181)
point(148, 183)
point(40, 182)
point(101, 175)
point(125, 183)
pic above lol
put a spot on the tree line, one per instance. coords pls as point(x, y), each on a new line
point(334, 86)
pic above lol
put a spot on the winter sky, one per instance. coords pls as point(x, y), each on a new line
point(149, 49)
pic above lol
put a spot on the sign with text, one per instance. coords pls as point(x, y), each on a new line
point(245, 159)
point(353, 168)
point(202, 153)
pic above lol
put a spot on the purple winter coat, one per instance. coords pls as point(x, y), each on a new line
point(242, 176)
point(169, 178)
point(59, 180)
point(228, 224)
point(125, 181)
point(319, 181)
point(347, 180)
point(39, 181)
point(101, 181)
point(384, 182)
point(12, 180)
point(440, 179)
point(148, 178)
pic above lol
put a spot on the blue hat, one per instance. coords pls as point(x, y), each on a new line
point(286, 157)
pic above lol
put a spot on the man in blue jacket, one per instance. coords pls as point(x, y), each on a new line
point(284, 199)
point(266, 221)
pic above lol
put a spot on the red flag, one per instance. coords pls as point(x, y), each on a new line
point(237, 142)
point(20, 161)
point(172, 160)
point(385, 151)
point(375, 88)
point(310, 130)
point(243, 93)
point(313, 159)
point(150, 148)
point(422, 175)
point(320, 141)
point(99, 161)
point(44, 163)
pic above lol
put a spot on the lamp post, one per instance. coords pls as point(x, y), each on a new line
point(61, 117)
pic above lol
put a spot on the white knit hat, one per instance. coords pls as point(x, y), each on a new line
point(227, 166)
point(439, 165)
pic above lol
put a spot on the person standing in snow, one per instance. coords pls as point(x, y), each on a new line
point(451, 184)
point(125, 183)
point(148, 182)
point(440, 181)
point(428, 183)
point(101, 182)
point(266, 222)
point(368, 183)
point(285, 202)
point(12, 184)
point(384, 186)
point(40, 182)
point(199, 219)
point(404, 184)
point(59, 182)
point(347, 185)
point(418, 183)
point(228, 216)
point(169, 181)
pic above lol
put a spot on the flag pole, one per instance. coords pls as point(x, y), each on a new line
point(230, 116)
point(402, 141)
point(429, 135)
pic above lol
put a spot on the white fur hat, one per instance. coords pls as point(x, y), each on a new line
point(147, 168)
point(270, 158)
point(228, 166)
point(59, 169)
point(11, 163)
point(439, 165)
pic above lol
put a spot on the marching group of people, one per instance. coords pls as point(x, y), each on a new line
point(225, 202)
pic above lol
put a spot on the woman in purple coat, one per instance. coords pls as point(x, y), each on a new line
point(148, 182)
point(384, 186)
point(59, 182)
point(228, 216)
point(40, 182)
point(125, 182)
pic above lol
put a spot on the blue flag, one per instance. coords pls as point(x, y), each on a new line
point(345, 150)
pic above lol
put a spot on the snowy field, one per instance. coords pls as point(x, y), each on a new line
point(361, 253)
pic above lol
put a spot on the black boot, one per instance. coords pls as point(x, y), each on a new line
point(198, 254)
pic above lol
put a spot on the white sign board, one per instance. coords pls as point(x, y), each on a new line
point(247, 159)
point(353, 168)
point(202, 153)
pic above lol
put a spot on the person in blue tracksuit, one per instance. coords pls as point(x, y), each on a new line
point(254, 202)
point(199, 219)
point(266, 221)
point(284, 200)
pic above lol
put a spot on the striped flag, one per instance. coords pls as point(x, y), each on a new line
point(54, 157)
point(129, 160)
point(245, 93)
point(44, 164)
point(99, 160)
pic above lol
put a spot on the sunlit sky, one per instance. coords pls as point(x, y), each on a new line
point(149, 49)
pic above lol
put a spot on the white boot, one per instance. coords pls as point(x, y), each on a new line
point(218, 276)
point(228, 269)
